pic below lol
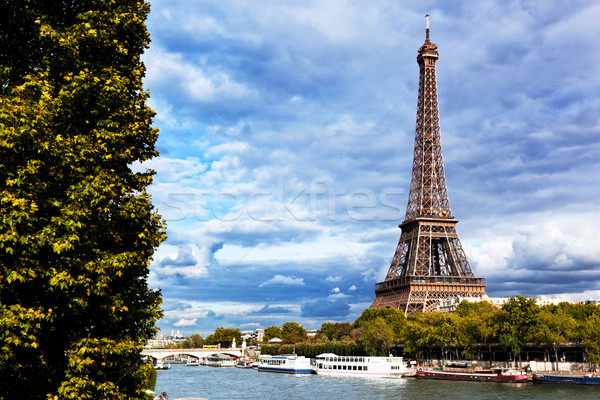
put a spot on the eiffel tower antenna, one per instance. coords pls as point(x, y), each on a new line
point(429, 263)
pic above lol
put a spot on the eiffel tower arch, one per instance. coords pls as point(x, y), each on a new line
point(429, 263)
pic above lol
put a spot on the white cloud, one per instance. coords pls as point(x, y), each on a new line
point(338, 295)
point(283, 280)
point(185, 322)
point(197, 83)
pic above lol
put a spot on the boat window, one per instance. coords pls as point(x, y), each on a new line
point(366, 368)
point(360, 367)
point(354, 367)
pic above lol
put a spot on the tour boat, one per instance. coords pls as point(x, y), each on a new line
point(331, 364)
point(161, 365)
point(286, 363)
point(578, 379)
point(220, 360)
point(487, 375)
point(192, 362)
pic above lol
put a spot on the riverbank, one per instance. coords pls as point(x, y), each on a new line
point(529, 366)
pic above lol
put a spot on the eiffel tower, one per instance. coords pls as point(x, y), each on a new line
point(430, 263)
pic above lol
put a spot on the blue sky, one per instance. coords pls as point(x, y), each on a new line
point(286, 144)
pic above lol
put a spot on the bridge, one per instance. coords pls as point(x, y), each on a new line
point(159, 354)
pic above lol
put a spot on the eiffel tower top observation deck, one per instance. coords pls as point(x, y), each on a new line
point(429, 263)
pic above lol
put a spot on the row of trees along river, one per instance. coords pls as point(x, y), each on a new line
point(472, 327)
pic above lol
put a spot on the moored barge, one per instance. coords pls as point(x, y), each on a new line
point(577, 379)
point(485, 375)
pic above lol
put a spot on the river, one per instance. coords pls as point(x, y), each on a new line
point(235, 383)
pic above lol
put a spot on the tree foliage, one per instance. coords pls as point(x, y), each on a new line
point(554, 327)
point(479, 325)
point(194, 341)
point(345, 348)
point(516, 323)
point(395, 319)
point(77, 228)
point(293, 332)
point(224, 336)
point(591, 338)
point(272, 332)
point(377, 337)
point(336, 330)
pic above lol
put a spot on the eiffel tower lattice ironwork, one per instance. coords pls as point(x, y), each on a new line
point(430, 263)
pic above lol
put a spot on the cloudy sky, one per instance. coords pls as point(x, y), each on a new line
point(286, 141)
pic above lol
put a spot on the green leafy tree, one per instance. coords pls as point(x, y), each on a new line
point(196, 341)
point(272, 332)
point(293, 332)
point(445, 331)
point(224, 336)
point(377, 337)
point(394, 319)
point(336, 330)
point(517, 319)
point(580, 312)
point(77, 228)
point(192, 342)
point(425, 331)
point(479, 324)
point(591, 339)
point(419, 337)
point(210, 340)
point(554, 329)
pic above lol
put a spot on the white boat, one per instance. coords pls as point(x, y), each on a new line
point(332, 364)
point(220, 360)
point(161, 365)
point(244, 363)
point(192, 362)
point(286, 363)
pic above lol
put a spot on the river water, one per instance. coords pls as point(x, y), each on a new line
point(236, 383)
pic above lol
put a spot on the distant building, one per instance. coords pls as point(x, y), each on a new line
point(163, 341)
point(257, 334)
